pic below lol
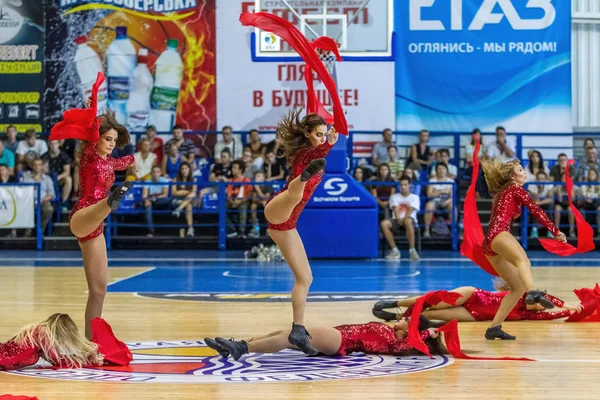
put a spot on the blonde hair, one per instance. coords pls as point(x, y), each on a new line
point(60, 341)
point(498, 174)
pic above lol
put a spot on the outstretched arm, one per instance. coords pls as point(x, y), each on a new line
point(535, 210)
point(122, 163)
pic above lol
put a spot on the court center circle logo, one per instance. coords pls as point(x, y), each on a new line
point(194, 362)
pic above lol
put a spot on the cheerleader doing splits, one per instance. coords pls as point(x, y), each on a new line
point(477, 305)
point(305, 143)
point(86, 219)
point(371, 338)
point(55, 339)
point(505, 182)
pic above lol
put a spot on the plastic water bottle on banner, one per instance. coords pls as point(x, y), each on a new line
point(165, 94)
point(120, 63)
point(138, 106)
point(88, 64)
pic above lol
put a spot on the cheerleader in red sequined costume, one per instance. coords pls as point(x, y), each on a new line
point(370, 338)
point(505, 182)
point(478, 305)
point(55, 339)
point(98, 137)
point(305, 143)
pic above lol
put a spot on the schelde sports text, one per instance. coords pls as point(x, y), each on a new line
point(160, 6)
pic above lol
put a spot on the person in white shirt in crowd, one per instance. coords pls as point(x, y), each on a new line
point(443, 156)
point(440, 196)
point(141, 170)
point(380, 150)
point(542, 195)
point(155, 197)
point(229, 142)
point(590, 196)
point(503, 148)
point(29, 149)
point(47, 194)
point(404, 206)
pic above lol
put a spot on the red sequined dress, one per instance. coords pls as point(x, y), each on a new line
point(16, 356)
point(301, 161)
point(96, 177)
point(506, 208)
point(373, 338)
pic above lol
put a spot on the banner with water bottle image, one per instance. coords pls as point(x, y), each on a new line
point(160, 67)
point(21, 65)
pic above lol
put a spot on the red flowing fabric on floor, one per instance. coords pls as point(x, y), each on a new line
point(471, 246)
point(113, 350)
point(11, 397)
point(288, 32)
point(590, 299)
point(585, 233)
point(80, 123)
point(313, 105)
point(450, 329)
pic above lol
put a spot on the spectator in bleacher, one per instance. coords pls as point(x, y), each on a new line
point(118, 153)
point(155, 197)
point(185, 146)
point(185, 193)
point(415, 186)
point(47, 194)
point(141, 169)
point(11, 142)
point(380, 150)
point(542, 195)
point(260, 196)
point(503, 148)
point(587, 143)
point(394, 163)
point(404, 207)
point(359, 174)
point(273, 170)
point(257, 148)
point(237, 199)
point(7, 177)
point(440, 196)
point(59, 164)
point(171, 163)
point(591, 162)
point(382, 193)
point(156, 143)
point(233, 144)
point(29, 149)
point(590, 197)
point(251, 165)
point(220, 172)
point(558, 170)
point(421, 154)
point(536, 164)
point(7, 157)
point(275, 147)
point(470, 148)
point(443, 156)
point(561, 203)
point(68, 146)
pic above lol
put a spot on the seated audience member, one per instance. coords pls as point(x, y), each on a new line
point(171, 163)
point(47, 194)
point(421, 154)
point(184, 194)
point(590, 198)
point(591, 162)
point(470, 148)
point(7, 177)
point(561, 203)
point(415, 186)
point(185, 146)
point(273, 170)
point(155, 197)
point(59, 163)
point(440, 196)
point(536, 164)
point(156, 143)
point(237, 199)
point(443, 157)
point(395, 164)
point(260, 196)
point(380, 150)
point(257, 148)
point(229, 142)
point(220, 172)
point(380, 192)
point(503, 148)
point(11, 141)
point(558, 170)
point(404, 206)
point(252, 166)
point(29, 149)
point(542, 194)
point(7, 157)
point(141, 169)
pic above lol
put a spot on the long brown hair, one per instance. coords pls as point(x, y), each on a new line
point(435, 345)
point(498, 174)
point(292, 131)
point(60, 341)
point(108, 121)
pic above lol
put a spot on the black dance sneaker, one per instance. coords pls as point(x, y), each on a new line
point(236, 348)
point(537, 296)
point(496, 332)
point(212, 343)
point(313, 168)
point(299, 337)
point(114, 199)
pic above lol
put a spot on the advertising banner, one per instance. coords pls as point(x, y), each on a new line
point(463, 64)
point(16, 207)
point(21, 64)
point(158, 57)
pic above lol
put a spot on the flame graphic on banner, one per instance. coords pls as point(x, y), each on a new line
point(166, 17)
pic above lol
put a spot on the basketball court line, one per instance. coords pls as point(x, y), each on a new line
point(228, 274)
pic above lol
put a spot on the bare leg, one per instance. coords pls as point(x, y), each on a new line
point(325, 340)
point(409, 227)
point(67, 183)
point(292, 249)
point(86, 220)
point(448, 314)
point(261, 337)
point(386, 228)
point(430, 208)
point(465, 291)
point(507, 247)
point(279, 209)
point(95, 263)
point(510, 274)
point(557, 215)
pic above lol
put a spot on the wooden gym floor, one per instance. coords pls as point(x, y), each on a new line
point(172, 300)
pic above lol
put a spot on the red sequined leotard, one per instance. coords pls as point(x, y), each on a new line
point(301, 161)
point(373, 338)
point(96, 177)
point(507, 207)
point(16, 356)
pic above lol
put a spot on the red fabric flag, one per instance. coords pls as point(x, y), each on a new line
point(471, 246)
point(11, 397)
point(80, 123)
point(590, 299)
point(113, 350)
point(585, 233)
point(288, 32)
